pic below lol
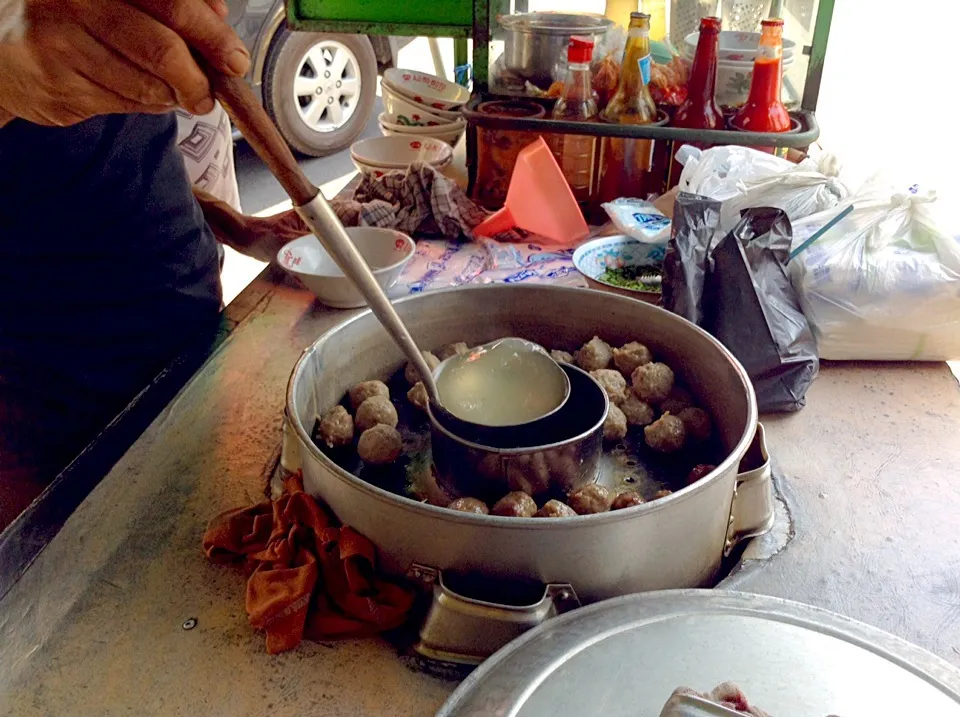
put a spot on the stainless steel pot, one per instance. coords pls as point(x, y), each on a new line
point(670, 543)
point(561, 453)
point(535, 45)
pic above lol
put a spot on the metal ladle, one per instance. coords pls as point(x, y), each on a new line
point(260, 132)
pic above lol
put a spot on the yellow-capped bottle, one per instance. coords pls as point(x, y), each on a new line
point(624, 162)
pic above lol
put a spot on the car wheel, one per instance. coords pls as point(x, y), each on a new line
point(320, 89)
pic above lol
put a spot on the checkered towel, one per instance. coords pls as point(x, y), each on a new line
point(420, 201)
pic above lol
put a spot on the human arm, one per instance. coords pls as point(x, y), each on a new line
point(81, 58)
point(258, 237)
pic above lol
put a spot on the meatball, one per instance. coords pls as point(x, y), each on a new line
point(457, 349)
point(561, 356)
point(376, 410)
point(555, 509)
point(515, 505)
point(652, 382)
point(380, 445)
point(662, 493)
point(638, 413)
point(470, 505)
point(367, 389)
point(593, 498)
point(701, 470)
point(410, 372)
point(594, 355)
point(418, 396)
point(666, 434)
point(613, 383)
point(627, 499)
point(614, 425)
point(697, 423)
point(678, 400)
point(631, 356)
point(336, 427)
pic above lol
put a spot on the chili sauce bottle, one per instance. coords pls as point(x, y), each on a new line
point(763, 110)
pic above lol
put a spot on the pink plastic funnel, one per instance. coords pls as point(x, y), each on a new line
point(539, 200)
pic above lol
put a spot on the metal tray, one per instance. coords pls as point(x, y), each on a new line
point(807, 134)
point(624, 657)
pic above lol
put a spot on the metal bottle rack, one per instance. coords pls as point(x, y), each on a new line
point(477, 20)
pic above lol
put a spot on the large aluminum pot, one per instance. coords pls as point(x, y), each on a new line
point(535, 45)
point(671, 543)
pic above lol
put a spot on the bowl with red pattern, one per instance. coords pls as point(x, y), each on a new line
point(379, 155)
point(386, 252)
point(426, 89)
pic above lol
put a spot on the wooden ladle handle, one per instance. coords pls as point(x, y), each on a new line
point(262, 134)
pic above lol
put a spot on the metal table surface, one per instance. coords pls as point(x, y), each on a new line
point(870, 470)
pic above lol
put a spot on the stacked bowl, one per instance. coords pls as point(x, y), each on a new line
point(735, 63)
point(422, 105)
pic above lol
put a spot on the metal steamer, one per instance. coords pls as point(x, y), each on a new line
point(524, 570)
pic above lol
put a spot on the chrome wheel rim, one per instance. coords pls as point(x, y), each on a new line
point(326, 88)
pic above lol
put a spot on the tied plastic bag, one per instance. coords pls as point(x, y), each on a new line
point(739, 290)
point(884, 283)
point(741, 178)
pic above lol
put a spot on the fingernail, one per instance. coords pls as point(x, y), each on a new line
point(204, 106)
point(239, 62)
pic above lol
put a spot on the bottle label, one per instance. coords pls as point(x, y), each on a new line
point(638, 32)
point(644, 63)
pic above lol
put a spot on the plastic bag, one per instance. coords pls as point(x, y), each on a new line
point(742, 178)
point(639, 219)
point(746, 299)
point(884, 283)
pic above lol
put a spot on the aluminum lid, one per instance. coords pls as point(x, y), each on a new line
point(624, 657)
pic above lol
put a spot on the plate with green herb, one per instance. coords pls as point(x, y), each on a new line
point(623, 265)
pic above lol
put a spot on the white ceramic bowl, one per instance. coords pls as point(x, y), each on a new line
point(397, 104)
point(594, 258)
point(379, 155)
point(450, 133)
point(386, 252)
point(735, 46)
point(427, 89)
point(733, 80)
point(418, 122)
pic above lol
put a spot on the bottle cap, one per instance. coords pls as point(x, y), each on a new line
point(710, 24)
point(639, 16)
point(772, 22)
point(580, 50)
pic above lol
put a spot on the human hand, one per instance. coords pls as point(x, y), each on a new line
point(81, 58)
point(258, 237)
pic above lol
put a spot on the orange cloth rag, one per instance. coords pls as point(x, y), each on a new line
point(308, 577)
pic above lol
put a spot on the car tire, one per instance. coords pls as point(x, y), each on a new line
point(300, 96)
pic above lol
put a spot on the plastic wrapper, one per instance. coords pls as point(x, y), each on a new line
point(884, 283)
point(746, 299)
point(639, 219)
point(668, 83)
point(741, 178)
point(444, 264)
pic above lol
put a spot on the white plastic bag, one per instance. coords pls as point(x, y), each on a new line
point(743, 178)
point(884, 283)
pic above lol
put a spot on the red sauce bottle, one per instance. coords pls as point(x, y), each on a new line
point(700, 110)
point(763, 110)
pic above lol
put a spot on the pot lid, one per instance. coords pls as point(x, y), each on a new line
point(556, 23)
point(624, 657)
